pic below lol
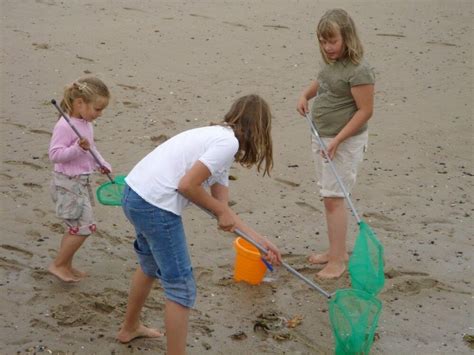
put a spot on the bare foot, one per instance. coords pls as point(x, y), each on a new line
point(62, 273)
point(78, 273)
point(332, 270)
point(124, 336)
point(322, 258)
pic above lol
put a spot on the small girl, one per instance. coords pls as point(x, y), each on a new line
point(163, 183)
point(83, 101)
point(344, 96)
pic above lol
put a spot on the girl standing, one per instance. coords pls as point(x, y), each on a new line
point(343, 103)
point(164, 182)
point(83, 101)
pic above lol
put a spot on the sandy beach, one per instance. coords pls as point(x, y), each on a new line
point(175, 65)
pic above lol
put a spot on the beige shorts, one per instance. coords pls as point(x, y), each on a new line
point(72, 196)
point(349, 155)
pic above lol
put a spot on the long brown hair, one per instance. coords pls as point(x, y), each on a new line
point(88, 88)
point(339, 20)
point(251, 119)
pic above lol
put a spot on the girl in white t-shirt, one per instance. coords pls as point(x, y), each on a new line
point(164, 182)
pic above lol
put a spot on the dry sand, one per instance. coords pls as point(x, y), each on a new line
point(174, 65)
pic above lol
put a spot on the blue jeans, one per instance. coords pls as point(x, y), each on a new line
point(161, 247)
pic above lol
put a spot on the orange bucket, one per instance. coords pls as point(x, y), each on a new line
point(248, 266)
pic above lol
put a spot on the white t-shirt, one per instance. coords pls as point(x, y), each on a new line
point(156, 177)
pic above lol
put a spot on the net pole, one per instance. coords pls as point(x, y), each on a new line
point(333, 168)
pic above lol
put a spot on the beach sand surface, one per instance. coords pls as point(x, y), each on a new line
point(175, 65)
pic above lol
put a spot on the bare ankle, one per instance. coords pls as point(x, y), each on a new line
point(127, 334)
point(63, 273)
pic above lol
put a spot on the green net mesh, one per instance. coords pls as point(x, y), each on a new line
point(110, 193)
point(354, 316)
point(366, 267)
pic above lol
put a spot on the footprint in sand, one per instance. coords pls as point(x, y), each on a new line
point(56, 228)
point(392, 273)
point(154, 304)
point(16, 194)
point(38, 323)
point(202, 16)
point(40, 131)
point(287, 182)
point(25, 163)
point(379, 220)
point(128, 87)
point(307, 206)
point(201, 326)
point(417, 282)
point(10, 265)
point(202, 274)
point(17, 250)
point(19, 125)
point(377, 216)
point(414, 286)
point(235, 24)
point(39, 213)
point(33, 186)
point(89, 308)
point(113, 240)
point(159, 139)
point(33, 233)
point(277, 27)
point(40, 274)
point(6, 176)
point(131, 104)
point(72, 315)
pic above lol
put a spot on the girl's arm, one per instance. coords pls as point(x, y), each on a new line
point(364, 99)
point(106, 167)
point(60, 148)
point(308, 94)
point(190, 186)
point(221, 193)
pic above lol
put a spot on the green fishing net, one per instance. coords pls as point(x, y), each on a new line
point(366, 267)
point(110, 193)
point(354, 317)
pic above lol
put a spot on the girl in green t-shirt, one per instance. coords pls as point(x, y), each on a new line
point(343, 103)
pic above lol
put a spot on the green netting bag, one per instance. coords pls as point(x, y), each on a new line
point(110, 193)
point(366, 266)
point(354, 316)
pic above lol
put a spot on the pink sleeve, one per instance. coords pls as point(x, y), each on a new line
point(63, 147)
point(101, 159)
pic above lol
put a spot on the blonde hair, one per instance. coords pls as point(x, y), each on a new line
point(87, 88)
point(339, 20)
point(251, 120)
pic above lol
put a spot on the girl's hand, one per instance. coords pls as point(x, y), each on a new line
point(273, 254)
point(302, 105)
point(104, 170)
point(84, 144)
point(331, 149)
point(226, 221)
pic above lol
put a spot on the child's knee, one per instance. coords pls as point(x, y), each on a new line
point(181, 291)
point(333, 203)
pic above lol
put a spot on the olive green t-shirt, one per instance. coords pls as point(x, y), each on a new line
point(334, 105)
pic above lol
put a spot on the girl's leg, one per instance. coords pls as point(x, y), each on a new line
point(61, 266)
point(132, 327)
point(336, 219)
point(176, 321)
point(77, 273)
